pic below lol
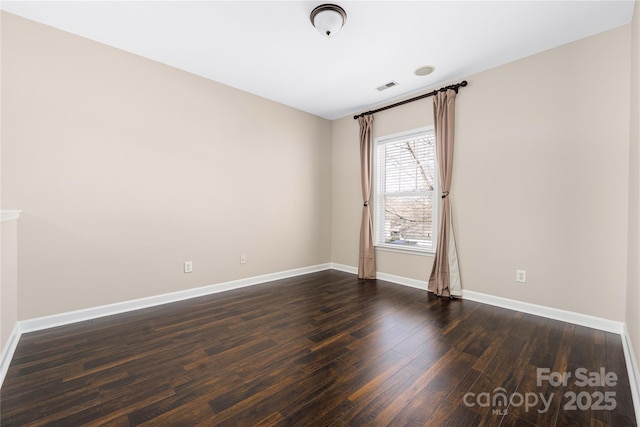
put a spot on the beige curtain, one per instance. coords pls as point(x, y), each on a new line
point(366, 262)
point(445, 274)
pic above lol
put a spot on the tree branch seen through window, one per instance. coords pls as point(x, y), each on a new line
point(406, 179)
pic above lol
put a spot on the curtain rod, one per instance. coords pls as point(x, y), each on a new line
point(406, 101)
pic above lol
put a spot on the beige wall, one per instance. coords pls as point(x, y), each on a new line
point(633, 279)
point(124, 168)
point(540, 178)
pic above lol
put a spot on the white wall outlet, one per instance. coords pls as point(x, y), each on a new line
point(521, 276)
point(243, 259)
point(188, 266)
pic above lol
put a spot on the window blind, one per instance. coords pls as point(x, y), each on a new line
point(406, 186)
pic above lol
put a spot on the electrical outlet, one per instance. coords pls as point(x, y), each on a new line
point(243, 259)
point(521, 276)
point(188, 266)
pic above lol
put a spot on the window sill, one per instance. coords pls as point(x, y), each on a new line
point(405, 250)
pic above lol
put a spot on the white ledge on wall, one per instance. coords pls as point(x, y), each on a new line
point(9, 214)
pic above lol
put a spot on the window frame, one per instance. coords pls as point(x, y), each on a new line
point(378, 196)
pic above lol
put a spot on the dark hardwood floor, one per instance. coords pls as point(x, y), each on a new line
point(318, 350)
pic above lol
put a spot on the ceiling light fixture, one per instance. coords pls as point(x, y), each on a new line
point(424, 71)
point(328, 18)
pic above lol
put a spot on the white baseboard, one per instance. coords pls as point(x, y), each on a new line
point(549, 312)
point(413, 283)
point(419, 284)
point(8, 351)
point(525, 307)
point(632, 369)
point(61, 319)
point(344, 268)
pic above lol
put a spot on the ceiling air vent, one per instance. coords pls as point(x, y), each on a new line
point(387, 86)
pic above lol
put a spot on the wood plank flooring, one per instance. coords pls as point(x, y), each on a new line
point(322, 349)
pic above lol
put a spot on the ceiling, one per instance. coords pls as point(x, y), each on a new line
point(270, 48)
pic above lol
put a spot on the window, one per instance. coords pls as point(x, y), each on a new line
point(406, 191)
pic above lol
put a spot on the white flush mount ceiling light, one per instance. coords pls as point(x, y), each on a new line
point(328, 18)
point(424, 71)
